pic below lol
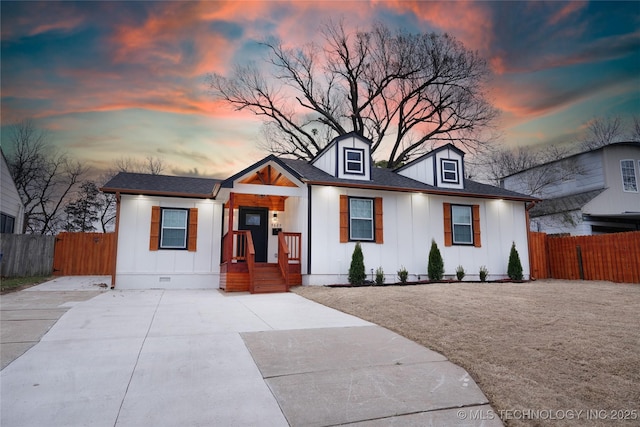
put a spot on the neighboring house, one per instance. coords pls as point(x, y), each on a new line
point(283, 222)
point(11, 207)
point(600, 194)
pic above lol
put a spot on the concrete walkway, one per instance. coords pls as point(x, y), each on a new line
point(167, 358)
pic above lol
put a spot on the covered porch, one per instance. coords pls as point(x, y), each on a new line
point(258, 254)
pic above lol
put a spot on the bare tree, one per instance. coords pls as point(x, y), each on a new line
point(151, 165)
point(601, 132)
point(410, 91)
point(635, 129)
point(543, 167)
point(107, 202)
point(44, 177)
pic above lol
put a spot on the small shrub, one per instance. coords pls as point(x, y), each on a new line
point(435, 270)
point(403, 274)
point(483, 273)
point(379, 276)
point(460, 272)
point(514, 270)
point(356, 270)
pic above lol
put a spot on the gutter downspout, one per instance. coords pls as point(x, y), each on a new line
point(309, 193)
point(527, 208)
point(115, 246)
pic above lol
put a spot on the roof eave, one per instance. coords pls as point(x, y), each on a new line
point(141, 192)
point(424, 191)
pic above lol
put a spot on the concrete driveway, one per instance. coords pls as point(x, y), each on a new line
point(167, 358)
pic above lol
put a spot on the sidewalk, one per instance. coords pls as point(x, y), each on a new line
point(166, 358)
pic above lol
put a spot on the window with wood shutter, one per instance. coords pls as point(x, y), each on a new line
point(173, 228)
point(461, 225)
point(361, 219)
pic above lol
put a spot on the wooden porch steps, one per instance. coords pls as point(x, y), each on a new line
point(267, 278)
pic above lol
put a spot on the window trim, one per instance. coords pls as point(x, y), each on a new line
point(635, 175)
point(456, 171)
point(186, 229)
point(470, 224)
point(372, 219)
point(347, 162)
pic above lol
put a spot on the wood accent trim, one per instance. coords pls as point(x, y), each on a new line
point(475, 215)
point(154, 233)
point(274, 203)
point(448, 235)
point(377, 208)
point(344, 219)
point(268, 175)
point(193, 230)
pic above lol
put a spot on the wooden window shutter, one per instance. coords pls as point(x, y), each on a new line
point(377, 208)
point(193, 230)
point(448, 235)
point(475, 214)
point(344, 219)
point(154, 234)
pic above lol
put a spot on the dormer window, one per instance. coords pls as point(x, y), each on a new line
point(353, 161)
point(450, 171)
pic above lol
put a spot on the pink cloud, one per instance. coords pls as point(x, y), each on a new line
point(470, 22)
point(567, 10)
point(48, 16)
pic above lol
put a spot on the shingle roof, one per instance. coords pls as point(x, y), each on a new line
point(140, 183)
point(386, 179)
point(382, 179)
point(564, 204)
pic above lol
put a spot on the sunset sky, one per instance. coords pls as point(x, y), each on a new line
point(127, 79)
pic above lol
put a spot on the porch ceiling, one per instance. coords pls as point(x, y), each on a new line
point(274, 203)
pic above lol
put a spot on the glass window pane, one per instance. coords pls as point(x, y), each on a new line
point(173, 238)
point(449, 166)
point(362, 229)
point(361, 208)
point(462, 234)
point(629, 175)
point(174, 218)
point(461, 214)
point(253, 219)
point(354, 155)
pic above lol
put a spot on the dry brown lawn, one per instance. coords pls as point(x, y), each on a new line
point(544, 345)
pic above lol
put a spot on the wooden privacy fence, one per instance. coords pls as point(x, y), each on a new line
point(614, 257)
point(26, 255)
point(79, 254)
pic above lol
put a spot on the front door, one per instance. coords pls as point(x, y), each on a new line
point(255, 220)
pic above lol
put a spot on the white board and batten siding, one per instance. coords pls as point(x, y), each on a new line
point(410, 222)
point(140, 268)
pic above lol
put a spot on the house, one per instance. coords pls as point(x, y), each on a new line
point(11, 207)
point(600, 194)
point(283, 222)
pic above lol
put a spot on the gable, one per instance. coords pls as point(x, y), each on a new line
point(346, 157)
point(442, 168)
point(268, 175)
